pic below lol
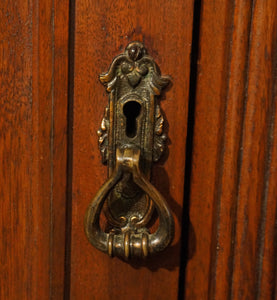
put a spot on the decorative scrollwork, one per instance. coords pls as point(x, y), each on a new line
point(102, 133)
point(159, 137)
point(134, 65)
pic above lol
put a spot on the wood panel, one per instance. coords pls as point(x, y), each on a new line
point(233, 185)
point(33, 110)
point(102, 30)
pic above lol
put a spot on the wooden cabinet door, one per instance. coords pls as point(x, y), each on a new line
point(218, 175)
point(102, 31)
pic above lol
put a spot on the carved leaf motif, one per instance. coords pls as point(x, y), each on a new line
point(159, 136)
point(102, 133)
point(134, 78)
point(158, 82)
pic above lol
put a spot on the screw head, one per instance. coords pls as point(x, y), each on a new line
point(135, 50)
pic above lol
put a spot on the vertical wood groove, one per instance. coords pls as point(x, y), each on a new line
point(268, 163)
point(60, 28)
point(194, 55)
point(240, 150)
point(252, 179)
point(262, 226)
point(51, 229)
point(266, 268)
point(71, 73)
point(220, 164)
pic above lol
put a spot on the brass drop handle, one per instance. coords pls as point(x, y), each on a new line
point(129, 242)
point(130, 138)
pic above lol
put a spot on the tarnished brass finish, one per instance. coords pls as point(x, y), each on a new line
point(130, 138)
point(129, 241)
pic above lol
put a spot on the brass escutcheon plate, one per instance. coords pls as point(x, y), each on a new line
point(132, 82)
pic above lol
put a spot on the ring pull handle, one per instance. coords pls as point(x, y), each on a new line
point(129, 242)
point(131, 137)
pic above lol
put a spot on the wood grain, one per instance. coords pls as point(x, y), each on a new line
point(60, 44)
point(233, 190)
point(102, 30)
point(33, 92)
point(233, 193)
point(256, 173)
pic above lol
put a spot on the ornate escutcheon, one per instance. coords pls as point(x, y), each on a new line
point(131, 138)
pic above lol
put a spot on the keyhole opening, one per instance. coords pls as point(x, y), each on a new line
point(131, 111)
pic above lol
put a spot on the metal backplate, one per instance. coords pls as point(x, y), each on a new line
point(132, 119)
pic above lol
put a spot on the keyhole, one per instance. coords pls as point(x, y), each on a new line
point(131, 111)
